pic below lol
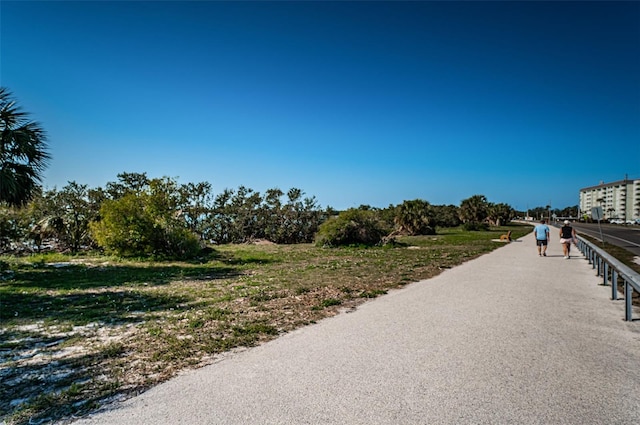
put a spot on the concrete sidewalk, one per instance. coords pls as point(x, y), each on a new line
point(508, 338)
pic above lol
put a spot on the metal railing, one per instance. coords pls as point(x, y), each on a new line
point(612, 271)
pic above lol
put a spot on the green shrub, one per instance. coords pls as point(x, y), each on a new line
point(474, 226)
point(352, 227)
point(181, 243)
point(128, 228)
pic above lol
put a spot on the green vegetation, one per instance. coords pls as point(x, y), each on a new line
point(474, 211)
point(143, 225)
point(352, 227)
point(23, 152)
point(80, 329)
point(141, 217)
point(415, 218)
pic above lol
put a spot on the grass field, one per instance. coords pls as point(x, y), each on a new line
point(78, 332)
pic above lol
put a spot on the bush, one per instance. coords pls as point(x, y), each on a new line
point(474, 226)
point(180, 243)
point(352, 227)
point(128, 229)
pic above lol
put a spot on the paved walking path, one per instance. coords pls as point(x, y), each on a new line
point(508, 338)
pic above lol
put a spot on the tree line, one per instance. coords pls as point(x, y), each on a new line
point(141, 216)
point(137, 215)
point(547, 212)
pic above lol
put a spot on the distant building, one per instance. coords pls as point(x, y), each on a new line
point(619, 200)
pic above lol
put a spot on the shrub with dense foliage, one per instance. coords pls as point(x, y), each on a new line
point(445, 215)
point(143, 224)
point(352, 227)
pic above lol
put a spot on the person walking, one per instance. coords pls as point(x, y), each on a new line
point(567, 237)
point(542, 237)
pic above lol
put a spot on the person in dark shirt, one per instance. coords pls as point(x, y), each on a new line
point(567, 237)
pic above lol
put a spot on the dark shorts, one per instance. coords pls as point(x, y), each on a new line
point(541, 242)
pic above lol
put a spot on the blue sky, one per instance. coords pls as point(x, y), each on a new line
point(353, 102)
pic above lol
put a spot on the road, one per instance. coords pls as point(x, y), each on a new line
point(627, 237)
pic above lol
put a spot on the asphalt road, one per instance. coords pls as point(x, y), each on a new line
point(507, 338)
point(624, 236)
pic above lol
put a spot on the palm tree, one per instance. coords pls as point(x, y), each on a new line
point(474, 209)
point(500, 214)
point(548, 208)
point(23, 152)
point(414, 218)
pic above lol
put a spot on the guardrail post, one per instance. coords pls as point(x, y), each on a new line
point(586, 252)
point(628, 295)
point(614, 284)
point(605, 275)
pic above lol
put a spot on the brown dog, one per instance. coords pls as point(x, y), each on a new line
point(506, 237)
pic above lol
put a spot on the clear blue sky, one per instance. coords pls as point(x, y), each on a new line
point(352, 102)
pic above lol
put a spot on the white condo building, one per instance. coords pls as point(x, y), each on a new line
point(619, 200)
